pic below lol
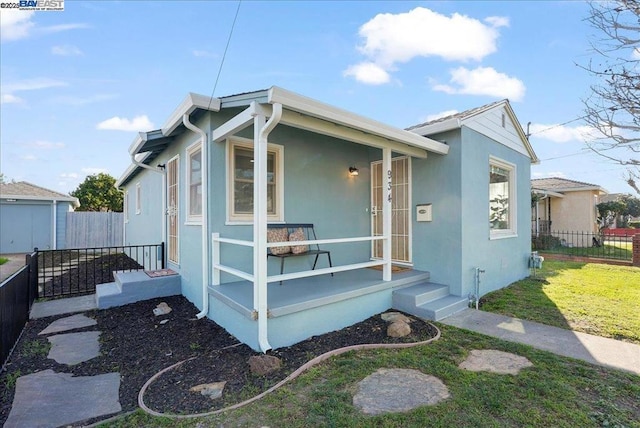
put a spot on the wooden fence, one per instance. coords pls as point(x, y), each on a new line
point(94, 229)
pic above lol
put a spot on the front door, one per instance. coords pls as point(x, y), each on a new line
point(400, 212)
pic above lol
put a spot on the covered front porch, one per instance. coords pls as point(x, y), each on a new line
point(246, 298)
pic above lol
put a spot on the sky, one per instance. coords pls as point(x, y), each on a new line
point(77, 85)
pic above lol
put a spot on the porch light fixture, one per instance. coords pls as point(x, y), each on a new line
point(353, 171)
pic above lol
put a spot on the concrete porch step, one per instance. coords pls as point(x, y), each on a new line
point(131, 287)
point(428, 300)
point(419, 294)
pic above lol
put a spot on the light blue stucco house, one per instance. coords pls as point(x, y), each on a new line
point(226, 180)
point(32, 216)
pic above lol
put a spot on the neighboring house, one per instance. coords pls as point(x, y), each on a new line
point(32, 216)
point(565, 206)
point(445, 199)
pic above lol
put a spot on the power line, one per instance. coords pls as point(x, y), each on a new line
point(224, 55)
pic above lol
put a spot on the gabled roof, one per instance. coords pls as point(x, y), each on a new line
point(27, 191)
point(471, 117)
point(563, 185)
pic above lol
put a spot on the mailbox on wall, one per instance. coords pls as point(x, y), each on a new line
point(423, 212)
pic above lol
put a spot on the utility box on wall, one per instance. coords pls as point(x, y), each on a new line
point(423, 212)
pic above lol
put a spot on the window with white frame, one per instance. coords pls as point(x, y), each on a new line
point(138, 198)
point(125, 206)
point(502, 198)
point(240, 181)
point(194, 184)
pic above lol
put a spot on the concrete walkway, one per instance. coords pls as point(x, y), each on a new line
point(586, 347)
point(16, 261)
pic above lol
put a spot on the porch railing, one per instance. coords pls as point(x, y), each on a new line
point(218, 267)
point(78, 271)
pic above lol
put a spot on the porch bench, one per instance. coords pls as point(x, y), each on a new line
point(293, 232)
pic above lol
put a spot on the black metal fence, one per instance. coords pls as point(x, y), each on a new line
point(585, 244)
point(17, 294)
point(76, 272)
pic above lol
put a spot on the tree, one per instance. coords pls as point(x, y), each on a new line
point(613, 108)
point(98, 193)
point(618, 211)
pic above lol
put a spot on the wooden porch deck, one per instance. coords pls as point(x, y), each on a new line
point(306, 293)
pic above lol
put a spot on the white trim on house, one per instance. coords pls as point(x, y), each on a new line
point(332, 115)
point(192, 219)
point(512, 231)
point(125, 206)
point(188, 106)
point(278, 152)
point(173, 209)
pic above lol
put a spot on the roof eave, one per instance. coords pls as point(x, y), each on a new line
point(188, 106)
point(73, 200)
point(311, 107)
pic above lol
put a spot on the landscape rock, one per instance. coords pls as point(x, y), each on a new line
point(264, 364)
point(161, 309)
point(212, 390)
point(398, 390)
point(74, 348)
point(493, 361)
point(69, 323)
point(398, 329)
point(395, 316)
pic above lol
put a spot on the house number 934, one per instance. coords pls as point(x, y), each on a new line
point(389, 185)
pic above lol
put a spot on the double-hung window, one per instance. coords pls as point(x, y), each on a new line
point(502, 198)
point(194, 184)
point(240, 181)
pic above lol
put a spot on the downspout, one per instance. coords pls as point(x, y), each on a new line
point(259, 250)
point(205, 214)
point(162, 171)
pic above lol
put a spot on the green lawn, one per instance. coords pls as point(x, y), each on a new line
point(592, 298)
point(556, 392)
point(609, 250)
point(3, 260)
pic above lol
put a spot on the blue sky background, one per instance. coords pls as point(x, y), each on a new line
point(77, 85)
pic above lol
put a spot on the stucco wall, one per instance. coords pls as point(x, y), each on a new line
point(575, 212)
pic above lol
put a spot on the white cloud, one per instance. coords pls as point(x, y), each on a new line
point(81, 101)
point(562, 134)
point(72, 175)
point(440, 115)
point(15, 24)
point(43, 144)
point(389, 39)
point(369, 73)
point(201, 53)
point(497, 21)
point(635, 54)
point(138, 123)
point(7, 91)
point(483, 81)
point(66, 50)
point(93, 171)
point(10, 99)
point(28, 157)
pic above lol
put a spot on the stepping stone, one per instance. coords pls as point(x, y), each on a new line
point(74, 348)
point(50, 399)
point(398, 390)
point(69, 323)
point(490, 360)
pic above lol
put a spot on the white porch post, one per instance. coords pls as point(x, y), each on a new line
point(386, 213)
point(260, 222)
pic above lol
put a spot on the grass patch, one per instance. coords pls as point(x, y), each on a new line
point(592, 298)
point(3, 260)
point(556, 391)
point(35, 348)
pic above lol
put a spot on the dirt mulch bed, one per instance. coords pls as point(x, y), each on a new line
point(135, 344)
